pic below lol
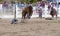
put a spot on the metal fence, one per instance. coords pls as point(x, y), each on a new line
point(9, 12)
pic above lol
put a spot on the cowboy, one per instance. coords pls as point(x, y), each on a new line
point(14, 21)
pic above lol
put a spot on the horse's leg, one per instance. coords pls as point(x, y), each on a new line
point(22, 20)
point(56, 16)
point(52, 16)
point(28, 15)
point(23, 16)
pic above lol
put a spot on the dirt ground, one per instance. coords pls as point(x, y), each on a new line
point(31, 27)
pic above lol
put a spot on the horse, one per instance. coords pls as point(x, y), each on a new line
point(53, 12)
point(28, 10)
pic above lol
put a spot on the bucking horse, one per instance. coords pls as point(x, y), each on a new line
point(53, 12)
point(27, 11)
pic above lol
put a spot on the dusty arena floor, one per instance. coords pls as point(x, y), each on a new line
point(31, 27)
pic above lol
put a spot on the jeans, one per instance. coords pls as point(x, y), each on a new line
point(40, 15)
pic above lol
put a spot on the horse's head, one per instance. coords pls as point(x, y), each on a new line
point(29, 8)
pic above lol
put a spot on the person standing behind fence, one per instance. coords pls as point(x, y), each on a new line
point(40, 12)
point(49, 7)
point(39, 9)
point(42, 4)
point(5, 7)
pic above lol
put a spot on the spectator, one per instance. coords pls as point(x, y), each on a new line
point(42, 4)
point(5, 7)
point(37, 7)
point(40, 12)
point(49, 7)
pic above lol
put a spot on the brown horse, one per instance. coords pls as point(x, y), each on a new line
point(28, 10)
point(53, 12)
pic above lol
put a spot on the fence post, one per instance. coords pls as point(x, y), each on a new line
point(15, 12)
